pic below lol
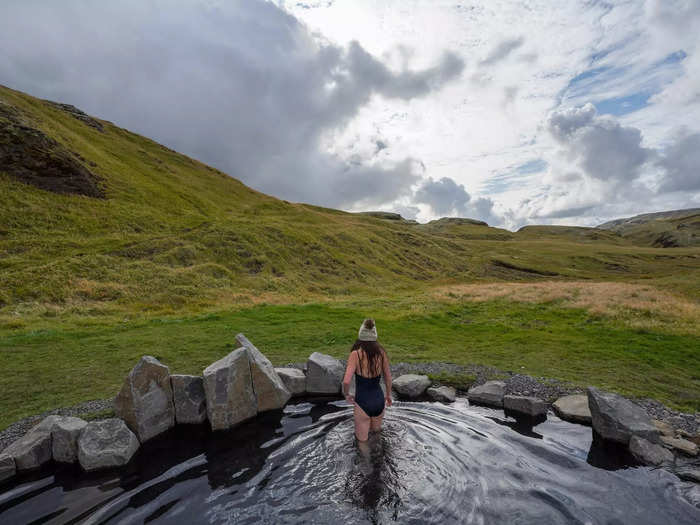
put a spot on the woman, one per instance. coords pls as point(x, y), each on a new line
point(368, 361)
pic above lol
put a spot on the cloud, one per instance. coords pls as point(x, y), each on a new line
point(602, 147)
point(243, 86)
point(681, 163)
point(502, 50)
point(447, 198)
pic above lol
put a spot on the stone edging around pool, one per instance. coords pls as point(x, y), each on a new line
point(244, 383)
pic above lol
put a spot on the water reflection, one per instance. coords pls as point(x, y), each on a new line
point(431, 463)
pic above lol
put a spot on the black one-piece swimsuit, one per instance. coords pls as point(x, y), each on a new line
point(369, 395)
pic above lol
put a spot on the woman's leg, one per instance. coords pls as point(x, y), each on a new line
point(362, 422)
point(375, 423)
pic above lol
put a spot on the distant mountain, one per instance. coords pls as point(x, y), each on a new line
point(665, 229)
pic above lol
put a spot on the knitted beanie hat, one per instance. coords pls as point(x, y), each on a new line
point(367, 334)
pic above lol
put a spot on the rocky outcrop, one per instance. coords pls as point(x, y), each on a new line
point(489, 394)
point(229, 391)
point(294, 379)
point(189, 399)
point(649, 453)
point(106, 444)
point(270, 391)
point(445, 394)
point(7, 467)
point(145, 401)
point(617, 419)
point(411, 385)
point(573, 408)
point(32, 450)
point(528, 406)
point(324, 374)
point(681, 445)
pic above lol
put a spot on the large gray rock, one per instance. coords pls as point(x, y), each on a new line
point(294, 379)
point(189, 399)
point(7, 467)
point(228, 387)
point(32, 450)
point(411, 385)
point(105, 444)
point(618, 419)
point(649, 453)
point(145, 401)
point(529, 406)
point(446, 394)
point(324, 374)
point(270, 391)
point(573, 408)
point(490, 394)
point(65, 431)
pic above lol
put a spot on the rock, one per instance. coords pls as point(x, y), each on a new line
point(689, 474)
point(294, 379)
point(65, 432)
point(618, 419)
point(324, 374)
point(105, 444)
point(446, 394)
point(490, 394)
point(189, 399)
point(663, 427)
point(573, 408)
point(7, 467)
point(529, 406)
point(411, 385)
point(649, 453)
point(682, 445)
point(32, 450)
point(145, 401)
point(228, 387)
point(270, 391)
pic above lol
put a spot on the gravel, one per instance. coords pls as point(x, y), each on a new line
point(19, 428)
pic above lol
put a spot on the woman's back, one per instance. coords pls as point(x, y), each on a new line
point(369, 367)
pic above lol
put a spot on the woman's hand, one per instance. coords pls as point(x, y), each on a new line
point(388, 401)
point(350, 399)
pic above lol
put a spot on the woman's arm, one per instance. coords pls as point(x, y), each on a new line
point(349, 371)
point(386, 371)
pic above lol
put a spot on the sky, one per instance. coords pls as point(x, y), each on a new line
point(513, 112)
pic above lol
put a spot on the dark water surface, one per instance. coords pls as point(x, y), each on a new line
point(431, 464)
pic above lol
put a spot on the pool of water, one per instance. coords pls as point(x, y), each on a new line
point(432, 463)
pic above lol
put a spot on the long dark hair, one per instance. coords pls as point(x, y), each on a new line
point(373, 351)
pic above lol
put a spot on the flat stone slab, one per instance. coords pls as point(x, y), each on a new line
point(573, 408)
point(411, 385)
point(189, 399)
point(324, 374)
point(145, 401)
point(489, 394)
point(32, 450)
point(270, 391)
point(445, 394)
point(228, 386)
point(106, 444)
point(294, 379)
point(529, 406)
point(7, 467)
point(681, 445)
point(618, 419)
point(663, 427)
point(649, 453)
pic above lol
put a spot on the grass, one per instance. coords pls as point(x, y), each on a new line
point(62, 366)
point(460, 381)
point(179, 257)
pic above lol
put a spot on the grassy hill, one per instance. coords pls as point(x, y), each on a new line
point(106, 235)
point(666, 229)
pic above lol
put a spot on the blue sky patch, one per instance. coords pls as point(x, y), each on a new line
point(622, 105)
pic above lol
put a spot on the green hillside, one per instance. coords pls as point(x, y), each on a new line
point(668, 229)
point(103, 231)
